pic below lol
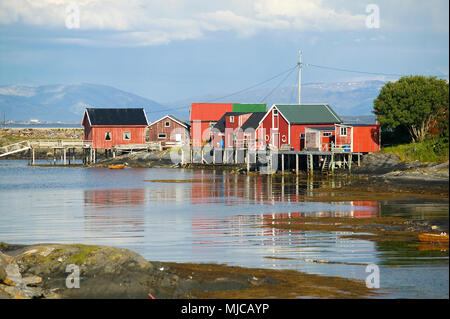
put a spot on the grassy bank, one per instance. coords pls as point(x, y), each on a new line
point(430, 150)
point(13, 135)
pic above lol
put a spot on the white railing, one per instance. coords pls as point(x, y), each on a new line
point(14, 148)
point(62, 143)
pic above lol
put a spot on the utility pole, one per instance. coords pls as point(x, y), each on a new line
point(299, 76)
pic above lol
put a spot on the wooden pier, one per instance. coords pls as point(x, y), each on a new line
point(273, 160)
point(267, 161)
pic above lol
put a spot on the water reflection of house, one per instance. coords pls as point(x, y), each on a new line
point(108, 198)
point(233, 187)
point(172, 193)
point(357, 209)
point(208, 231)
point(109, 212)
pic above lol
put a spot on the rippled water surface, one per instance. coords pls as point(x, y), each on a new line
point(217, 217)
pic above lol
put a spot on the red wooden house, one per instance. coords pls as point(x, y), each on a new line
point(286, 124)
point(205, 116)
point(358, 138)
point(169, 130)
point(319, 138)
point(108, 127)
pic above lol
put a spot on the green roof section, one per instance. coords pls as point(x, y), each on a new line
point(250, 108)
point(308, 113)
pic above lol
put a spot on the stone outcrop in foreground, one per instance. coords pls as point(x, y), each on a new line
point(43, 271)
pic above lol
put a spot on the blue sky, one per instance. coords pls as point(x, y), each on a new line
point(168, 50)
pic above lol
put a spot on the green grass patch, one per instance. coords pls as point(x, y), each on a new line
point(430, 150)
point(84, 252)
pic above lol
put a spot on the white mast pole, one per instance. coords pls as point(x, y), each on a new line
point(299, 76)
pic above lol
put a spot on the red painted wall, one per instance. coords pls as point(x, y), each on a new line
point(341, 139)
point(283, 128)
point(206, 113)
point(298, 129)
point(366, 138)
point(97, 135)
point(200, 131)
point(160, 128)
point(209, 111)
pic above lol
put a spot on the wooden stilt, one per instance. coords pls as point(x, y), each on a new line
point(296, 164)
point(282, 163)
point(248, 161)
point(332, 162)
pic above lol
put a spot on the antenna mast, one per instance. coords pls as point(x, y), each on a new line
point(299, 76)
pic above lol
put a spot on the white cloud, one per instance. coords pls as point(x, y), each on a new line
point(153, 22)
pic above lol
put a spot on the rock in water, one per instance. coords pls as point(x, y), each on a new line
point(4, 261)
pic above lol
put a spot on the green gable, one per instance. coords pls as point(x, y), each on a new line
point(250, 108)
point(308, 113)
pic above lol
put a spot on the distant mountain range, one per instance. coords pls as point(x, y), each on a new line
point(66, 103)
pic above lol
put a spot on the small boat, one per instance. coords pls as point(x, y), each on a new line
point(434, 238)
point(117, 166)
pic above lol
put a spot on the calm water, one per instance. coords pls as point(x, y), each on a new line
point(218, 218)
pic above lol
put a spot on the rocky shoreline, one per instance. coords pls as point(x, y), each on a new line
point(49, 271)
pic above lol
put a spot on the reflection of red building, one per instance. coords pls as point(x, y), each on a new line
point(207, 231)
point(366, 209)
point(107, 211)
point(359, 209)
point(107, 198)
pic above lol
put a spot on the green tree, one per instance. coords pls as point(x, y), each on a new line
point(413, 102)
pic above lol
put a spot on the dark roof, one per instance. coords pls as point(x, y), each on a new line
point(174, 119)
point(322, 128)
point(116, 116)
point(253, 120)
point(177, 119)
point(308, 113)
point(220, 125)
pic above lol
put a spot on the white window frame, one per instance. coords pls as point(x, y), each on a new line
point(343, 131)
point(275, 117)
point(110, 135)
point(167, 122)
point(161, 137)
point(231, 119)
point(126, 139)
point(327, 134)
